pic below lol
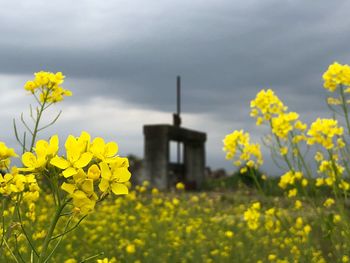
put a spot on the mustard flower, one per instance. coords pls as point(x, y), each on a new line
point(239, 142)
point(77, 156)
point(180, 186)
point(48, 86)
point(336, 75)
point(43, 151)
point(323, 132)
point(283, 124)
point(105, 152)
point(252, 216)
point(329, 202)
point(114, 176)
point(265, 106)
point(5, 155)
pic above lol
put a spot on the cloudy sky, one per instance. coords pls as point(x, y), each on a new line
point(121, 58)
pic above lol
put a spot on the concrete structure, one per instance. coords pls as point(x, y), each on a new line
point(157, 167)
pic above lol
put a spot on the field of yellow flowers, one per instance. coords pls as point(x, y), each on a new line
point(243, 226)
point(59, 208)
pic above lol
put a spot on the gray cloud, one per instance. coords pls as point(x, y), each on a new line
point(225, 51)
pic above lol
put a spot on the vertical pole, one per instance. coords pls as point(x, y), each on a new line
point(178, 89)
point(178, 102)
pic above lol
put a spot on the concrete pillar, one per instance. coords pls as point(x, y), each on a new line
point(194, 163)
point(156, 157)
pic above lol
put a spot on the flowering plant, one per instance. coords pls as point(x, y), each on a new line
point(85, 175)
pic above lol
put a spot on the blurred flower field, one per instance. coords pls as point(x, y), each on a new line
point(150, 226)
point(58, 207)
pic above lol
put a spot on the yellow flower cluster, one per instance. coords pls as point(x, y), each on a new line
point(44, 151)
point(48, 85)
point(301, 229)
point(5, 155)
point(272, 223)
point(252, 216)
point(329, 202)
point(336, 75)
point(333, 170)
point(283, 124)
point(290, 178)
point(323, 132)
point(265, 106)
point(239, 141)
point(15, 186)
point(88, 164)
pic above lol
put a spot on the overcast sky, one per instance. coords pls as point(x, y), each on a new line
point(121, 59)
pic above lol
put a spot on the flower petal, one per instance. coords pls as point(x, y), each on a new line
point(69, 188)
point(83, 161)
point(60, 162)
point(122, 175)
point(29, 159)
point(69, 172)
point(119, 189)
point(104, 184)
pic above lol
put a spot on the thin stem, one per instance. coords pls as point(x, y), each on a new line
point(345, 109)
point(16, 249)
point(92, 257)
point(50, 232)
point(70, 230)
point(35, 131)
point(11, 252)
point(59, 241)
point(25, 232)
point(3, 221)
point(25, 124)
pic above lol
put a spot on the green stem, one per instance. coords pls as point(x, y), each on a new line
point(92, 257)
point(50, 232)
point(35, 132)
point(11, 252)
point(3, 222)
point(59, 241)
point(25, 232)
point(256, 181)
point(280, 146)
point(345, 109)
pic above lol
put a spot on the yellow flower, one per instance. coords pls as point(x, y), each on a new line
point(48, 86)
point(44, 150)
point(82, 192)
point(252, 216)
point(130, 249)
point(114, 178)
point(298, 204)
point(77, 157)
point(344, 185)
point(238, 141)
point(336, 75)
point(284, 151)
point(333, 101)
point(105, 152)
point(336, 218)
point(272, 257)
point(283, 124)
point(322, 131)
point(180, 186)
point(229, 234)
point(329, 202)
point(265, 105)
point(5, 155)
point(292, 192)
